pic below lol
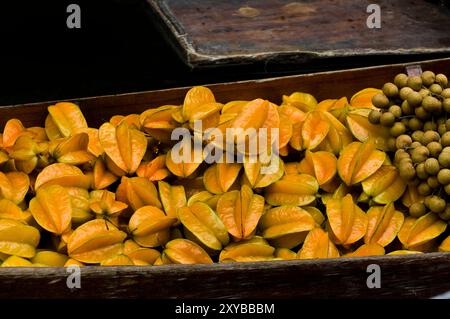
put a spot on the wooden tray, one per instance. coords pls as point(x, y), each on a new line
point(413, 276)
point(209, 32)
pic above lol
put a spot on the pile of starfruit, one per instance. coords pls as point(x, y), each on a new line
point(71, 194)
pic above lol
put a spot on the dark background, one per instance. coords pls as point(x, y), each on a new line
point(117, 50)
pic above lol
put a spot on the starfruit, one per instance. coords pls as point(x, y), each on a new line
point(359, 161)
point(347, 222)
point(183, 251)
point(3, 156)
point(172, 198)
point(219, 177)
point(49, 258)
point(240, 211)
point(52, 208)
point(18, 239)
point(384, 223)
point(404, 252)
point(180, 166)
point(102, 178)
point(11, 132)
point(417, 232)
point(314, 130)
point(149, 226)
point(73, 262)
point(285, 254)
point(358, 123)
point(318, 245)
point(445, 245)
point(155, 170)
point(411, 196)
point(10, 210)
point(204, 226)
point(14, 186)
point(293, 190)
point(71, 150)
point(321, 165)
point(159, 122)
point(195, 99)
point(254, 116)
point(118, 260)
point(29, 154)
point(60, 241)
point(139, 255)
point(94, 146)
point(204, 197)
point(316, 214)
point(63, 175)
point(95, 241)
point(286, 226)
point(385, 185)
point(370, 249)
point(259, 174)
point(15, 261)
point(337, 138)
point(303, 101)
point(104, 204)
point(79, 199)
point(137, 192)
point(124, 146)
point(363, 98)
point(130, 119)
point(254, 249)
point(63, 120)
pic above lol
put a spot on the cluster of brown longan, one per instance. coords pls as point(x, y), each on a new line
point(416, 109)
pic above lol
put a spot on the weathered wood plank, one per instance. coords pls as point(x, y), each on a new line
point(418, 276)
point(208, 32)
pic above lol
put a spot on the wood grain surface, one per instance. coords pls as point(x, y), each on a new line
point(413, 276)
point(209, 32)
point(418, 276)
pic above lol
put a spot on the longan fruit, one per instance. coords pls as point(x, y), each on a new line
point(417, 136)
point(421, 113)
point(436, 89)
point(396, 110)
point(404, 92)
point(415, 82)
point(398, 129)
point(374, 117)
point(435, 148)
point(420, 171)
point(430, 136)
point(406, 108)
point(390, 90)
point(424, 189)
point(415, 124)
point(436, 204)
point(429, 126)
point(401, 80)
point(432, 166)
point(417, 210)
point(443, 176)
point(442, 80)
point(446, 105)
point(445, 139)
point(387, 119)
point(380, 100)
point(428, 78)
point(414, 99)
point(420, 154)
point(446, 93)
point(444, 159)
